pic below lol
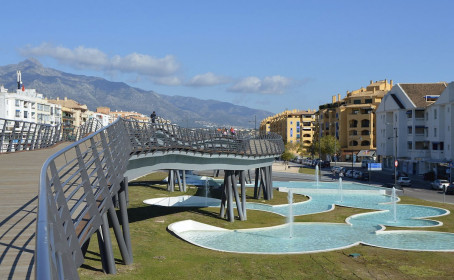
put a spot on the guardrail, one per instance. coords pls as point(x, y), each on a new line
point(81, 184)
point(149, 137)
point(25, 136)
point(21, 136)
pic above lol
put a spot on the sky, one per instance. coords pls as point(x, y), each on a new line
point(268, 55)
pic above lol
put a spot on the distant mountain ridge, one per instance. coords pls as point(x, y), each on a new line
point(96, 92)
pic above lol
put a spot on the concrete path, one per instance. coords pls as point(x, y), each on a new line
point(19, 178)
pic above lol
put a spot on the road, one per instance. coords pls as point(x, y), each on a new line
point(419, 189)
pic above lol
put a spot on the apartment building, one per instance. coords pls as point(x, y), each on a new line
point(122, 114)
point(414, 125)
point(73, 113)
point(352, 119)
point(295, 126)
point(28, 105)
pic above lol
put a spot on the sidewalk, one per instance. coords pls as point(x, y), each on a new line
point(291, 167)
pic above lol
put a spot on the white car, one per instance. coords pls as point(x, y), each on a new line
point(404, 181)
point(439, 184)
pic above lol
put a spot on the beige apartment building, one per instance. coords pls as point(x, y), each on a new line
point(122, 114)
point(294, 126)
point(73, 113)
point(352, 119)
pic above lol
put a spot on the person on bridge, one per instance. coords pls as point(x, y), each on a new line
point(153, 117)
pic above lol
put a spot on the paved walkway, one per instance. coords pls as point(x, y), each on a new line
point(19, 179)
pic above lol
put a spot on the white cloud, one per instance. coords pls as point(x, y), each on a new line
point(167, 81)
point(269, 85)
point(207, 79)
point(91, 58)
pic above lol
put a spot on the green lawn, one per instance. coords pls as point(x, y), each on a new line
point(160, 255)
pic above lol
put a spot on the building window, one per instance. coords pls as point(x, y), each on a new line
point(291, 122)
point(435, 132)
point(409, 114)
point(420, 130)
point(368, 101)
point(410, 130)
point(410, 145)
point(17, 113)
point(25, 114)
point(17, 102)
point(435, 114)
point(419, 114)
point(357, 101)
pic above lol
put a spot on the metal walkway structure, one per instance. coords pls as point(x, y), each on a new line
point(81, 185)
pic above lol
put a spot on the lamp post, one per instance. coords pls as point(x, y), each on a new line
point(255, 126)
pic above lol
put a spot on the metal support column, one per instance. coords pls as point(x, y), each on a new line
point(184, 181)
point(243, 192)
point(107, 246)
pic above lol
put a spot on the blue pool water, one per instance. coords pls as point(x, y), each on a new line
point(368, 228)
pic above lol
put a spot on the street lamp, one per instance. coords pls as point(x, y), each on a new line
point(255, 125)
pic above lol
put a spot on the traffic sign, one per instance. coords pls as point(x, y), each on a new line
point(374, 166)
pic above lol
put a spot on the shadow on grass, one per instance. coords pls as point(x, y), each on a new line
point(148, 212)
point(94, 256)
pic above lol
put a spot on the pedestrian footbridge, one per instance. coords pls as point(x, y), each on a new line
point(82, 183)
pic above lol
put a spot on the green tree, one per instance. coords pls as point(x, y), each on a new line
point(287, 155)
point(330, 145)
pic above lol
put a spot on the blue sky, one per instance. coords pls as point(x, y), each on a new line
point(270, 55)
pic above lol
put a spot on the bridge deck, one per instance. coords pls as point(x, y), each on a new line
point(19, 178)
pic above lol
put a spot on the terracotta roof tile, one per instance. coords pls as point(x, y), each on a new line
point(416, 92)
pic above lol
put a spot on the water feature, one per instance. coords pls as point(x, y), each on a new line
point(366, 228)
point(290, 212)
point(394, 199)
point(206, 191)
point(316, 175)
point(340, 190)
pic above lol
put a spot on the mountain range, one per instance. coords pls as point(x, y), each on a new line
point(99, 92)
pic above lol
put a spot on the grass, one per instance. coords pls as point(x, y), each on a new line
point(160, 255)
point(305, 170)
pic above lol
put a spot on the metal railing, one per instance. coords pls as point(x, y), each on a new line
point(149, 137)
point(78, 186)
point(23, 136)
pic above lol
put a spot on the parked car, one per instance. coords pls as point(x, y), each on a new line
point(364, 163)
point(439, 184)
point(364, 176)
point(404, 181)
point(356, 174)
point(349, 173)
point(325, 163)
point(391, 185)
point(449, 189)
point(399, 174)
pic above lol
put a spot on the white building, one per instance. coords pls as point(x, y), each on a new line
point(28, 105)
point(104, 119)
point(403, 127)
